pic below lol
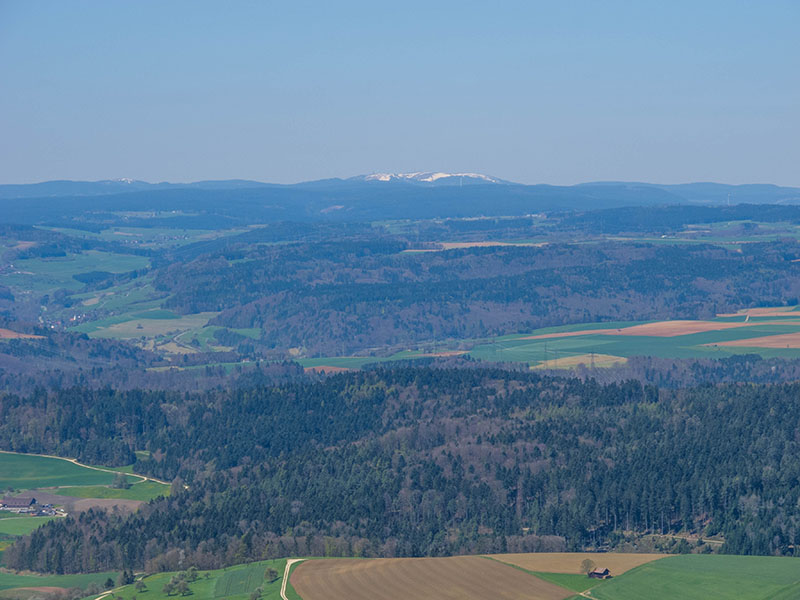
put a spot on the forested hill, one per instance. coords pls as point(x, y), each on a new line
point(419, 461)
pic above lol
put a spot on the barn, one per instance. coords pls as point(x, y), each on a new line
point(600, 573)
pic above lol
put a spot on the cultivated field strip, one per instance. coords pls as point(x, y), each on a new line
point(452, 578)
point(570, 562)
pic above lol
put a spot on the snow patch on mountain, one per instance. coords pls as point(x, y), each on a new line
point(429, 177)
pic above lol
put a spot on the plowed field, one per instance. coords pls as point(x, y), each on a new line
point(453, 578)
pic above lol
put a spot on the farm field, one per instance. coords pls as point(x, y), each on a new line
point(767, 332)
point(21, 525)
point(232, 583)
point(707, 577)
point(44, 274)
point(570, 562)
point(9, 581)
point(149, 237)
point(143, 490)
point(456, 578)
point(26, 471)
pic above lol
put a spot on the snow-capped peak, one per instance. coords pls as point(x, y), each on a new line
point(431, 177)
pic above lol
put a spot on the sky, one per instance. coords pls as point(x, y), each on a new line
point(558, 92)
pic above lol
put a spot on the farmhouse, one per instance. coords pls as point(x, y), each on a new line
point(18, 504)
point(600, 573)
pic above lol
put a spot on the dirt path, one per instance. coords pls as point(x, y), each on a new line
point(74, 461)
point(286, 571)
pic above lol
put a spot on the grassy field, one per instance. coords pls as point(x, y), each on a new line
point(707, 577)
point(24, 471)
point(144, 490)
point(456, 578)
point(22, 525)
point(44, 274)
point(150, 237)
point(12, 580)
point(150, 323)
point(608, 349)
point(233, 583)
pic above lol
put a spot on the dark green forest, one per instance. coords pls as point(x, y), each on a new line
point(418, 461)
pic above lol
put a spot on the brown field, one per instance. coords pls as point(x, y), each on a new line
point(26, 593)
point(568, 362)
point(782, 340)
point(453, 578)
point(24, 245)
point(570, 562)
point(84, 504)
point(326, 369)
point(7, 334)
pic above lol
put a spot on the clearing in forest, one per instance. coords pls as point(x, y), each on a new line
point(587, 360)
point(452, 578)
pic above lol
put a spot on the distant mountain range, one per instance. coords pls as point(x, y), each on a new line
point(372, 197)
point(430, 177)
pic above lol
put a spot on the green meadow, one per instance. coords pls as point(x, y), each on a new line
point(706, 577)
point(696, 345)
point(232, 583)
point(12, 580)
point(25, 471)
point(143, 490)
point(45, 274)
point(21, 525)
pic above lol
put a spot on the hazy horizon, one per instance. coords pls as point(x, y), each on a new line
point(528, 92)
point(346, 177)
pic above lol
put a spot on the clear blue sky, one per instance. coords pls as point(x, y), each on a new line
point(555, 92)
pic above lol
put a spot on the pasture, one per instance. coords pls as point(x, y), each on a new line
point(46, 274)
point(231, 583)
point(143, 490)
point(767, 332)
point(707, 577)
point(21, 525)
point(10, 581)
point(456, 578)
point(27, 471)
point(150, 237)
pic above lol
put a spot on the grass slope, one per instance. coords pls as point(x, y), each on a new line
point(24, 471)
point(12, 580)
point(19, 526)
point(45, 274)
point(232, 583)
point(146, 490)
point(707, 577)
